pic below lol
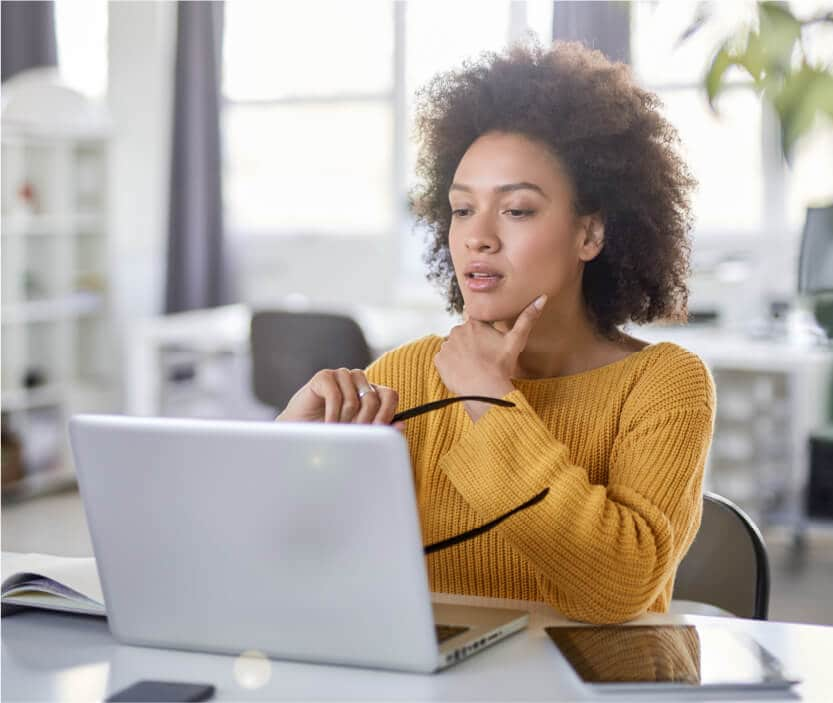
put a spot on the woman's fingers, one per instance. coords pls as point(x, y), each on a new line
point(350, 403)
point(388, 400)
point(519, 334)
point(332, 395)
point(324, 385)
point(369, 400)
point(378, 403)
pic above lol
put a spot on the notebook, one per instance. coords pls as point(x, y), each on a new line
point(56, 583)
point(301, 541)
point(664, 658)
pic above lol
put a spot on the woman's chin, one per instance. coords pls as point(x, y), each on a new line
point(490, 312)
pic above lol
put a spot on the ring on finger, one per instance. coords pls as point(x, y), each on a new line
point(364, 390)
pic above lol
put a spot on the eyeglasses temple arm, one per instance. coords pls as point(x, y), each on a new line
point(471, 534)
point(437, 404)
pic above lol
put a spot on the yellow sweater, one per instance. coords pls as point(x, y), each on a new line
point(622, 449)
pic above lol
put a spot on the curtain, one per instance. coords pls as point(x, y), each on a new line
point(599, 25)
point(197, 274)
point(28, 36)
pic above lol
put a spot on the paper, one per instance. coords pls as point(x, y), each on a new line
point(48, 581)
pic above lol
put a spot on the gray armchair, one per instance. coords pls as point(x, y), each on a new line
point(727, 565)
point(290, 347)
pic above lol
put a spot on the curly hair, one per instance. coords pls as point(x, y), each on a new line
point(618, 151)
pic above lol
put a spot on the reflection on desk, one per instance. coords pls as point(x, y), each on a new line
point(51, 656)
point(641, 653)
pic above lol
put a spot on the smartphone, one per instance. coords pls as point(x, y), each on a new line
point(163, 692)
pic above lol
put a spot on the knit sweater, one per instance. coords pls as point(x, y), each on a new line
point(622, 449)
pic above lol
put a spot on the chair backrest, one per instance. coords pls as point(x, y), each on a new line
point(727, 564)
point(288, 348)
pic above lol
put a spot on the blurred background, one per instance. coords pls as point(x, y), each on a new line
point(204, 202)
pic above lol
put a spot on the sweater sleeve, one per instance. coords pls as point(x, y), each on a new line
point(601, 553)
point(403, 369)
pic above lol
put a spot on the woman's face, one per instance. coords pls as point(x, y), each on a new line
point(514, 234)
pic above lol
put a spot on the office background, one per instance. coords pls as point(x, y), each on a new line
point(212, 159)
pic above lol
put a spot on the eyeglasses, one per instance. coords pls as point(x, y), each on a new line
point(442, 402)
point(468, 534)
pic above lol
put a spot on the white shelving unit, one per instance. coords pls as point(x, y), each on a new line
point(55, 274)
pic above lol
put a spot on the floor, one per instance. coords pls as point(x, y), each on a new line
point(802, 580)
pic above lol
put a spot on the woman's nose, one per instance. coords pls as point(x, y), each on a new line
point(482, 240)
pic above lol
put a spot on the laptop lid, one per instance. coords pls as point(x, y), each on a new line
point(301, 541)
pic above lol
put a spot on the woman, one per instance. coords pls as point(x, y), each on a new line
point(559, 210)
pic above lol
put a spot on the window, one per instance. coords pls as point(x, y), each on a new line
point(724, 151)
point(319, 104)
point(308, 117)
point(319, 101)
point(811, 176)
point(744, 189)
point(81, 36)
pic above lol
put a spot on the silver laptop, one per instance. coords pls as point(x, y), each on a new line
point(300, 541)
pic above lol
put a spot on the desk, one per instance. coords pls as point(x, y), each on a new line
point(226, 330)
point(56, 657)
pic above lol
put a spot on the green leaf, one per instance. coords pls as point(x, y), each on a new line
point(779, 31)
point(753, 57)
point(714, 77)
point(804, 96)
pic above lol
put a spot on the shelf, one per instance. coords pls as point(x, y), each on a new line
point(23, 398)
point(72, 306)
point(37, 484)
point(52, 225)
point(56, 307)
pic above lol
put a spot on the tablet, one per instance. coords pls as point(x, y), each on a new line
point(642, 658)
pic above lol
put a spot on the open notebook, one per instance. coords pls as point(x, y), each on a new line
point(56, 583)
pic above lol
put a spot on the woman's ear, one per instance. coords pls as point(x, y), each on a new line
point(593, 237)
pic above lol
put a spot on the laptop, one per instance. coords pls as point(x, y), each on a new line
point(301, 541)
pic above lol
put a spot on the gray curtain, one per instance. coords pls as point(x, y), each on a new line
point(28, 36)
point(197, 269)
point(599, 25)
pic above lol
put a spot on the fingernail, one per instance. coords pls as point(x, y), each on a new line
point(540, 301)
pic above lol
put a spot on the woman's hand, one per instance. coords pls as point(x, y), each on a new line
point(477, 359)
point(341, 395)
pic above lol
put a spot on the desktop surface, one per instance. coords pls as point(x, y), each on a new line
point(57, 657)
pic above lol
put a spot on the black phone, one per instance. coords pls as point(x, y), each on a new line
point(163, 692)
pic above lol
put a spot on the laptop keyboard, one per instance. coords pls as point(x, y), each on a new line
point(446, 632)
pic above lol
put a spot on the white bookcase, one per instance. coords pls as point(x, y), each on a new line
point(56, 347)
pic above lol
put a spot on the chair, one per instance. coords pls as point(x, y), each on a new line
point(288, 348)
point(727, 564)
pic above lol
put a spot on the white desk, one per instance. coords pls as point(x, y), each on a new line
point(54, 657)
point(226, 329)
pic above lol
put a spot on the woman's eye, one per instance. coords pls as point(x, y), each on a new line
point(460, 212)
point(520, 213)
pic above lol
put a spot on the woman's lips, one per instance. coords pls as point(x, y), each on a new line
point(483, 282)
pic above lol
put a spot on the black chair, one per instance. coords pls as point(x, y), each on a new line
point(288, 348)
point(727, 564)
